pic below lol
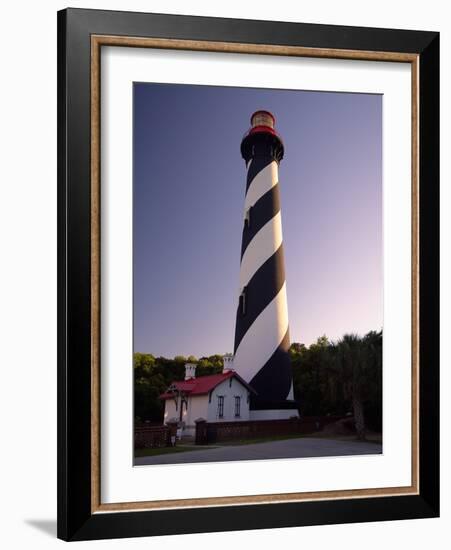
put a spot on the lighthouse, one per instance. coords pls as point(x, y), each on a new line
point(262, 335)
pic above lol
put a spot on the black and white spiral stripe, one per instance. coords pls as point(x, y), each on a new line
point(262, 334)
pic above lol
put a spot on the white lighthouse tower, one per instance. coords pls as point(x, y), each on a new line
point(261, 334)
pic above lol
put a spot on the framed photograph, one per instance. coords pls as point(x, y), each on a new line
point(217, 372)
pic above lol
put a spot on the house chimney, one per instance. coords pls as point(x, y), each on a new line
point(228, 363)
point(190, 371)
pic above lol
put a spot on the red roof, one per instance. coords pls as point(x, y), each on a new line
point(202, 385)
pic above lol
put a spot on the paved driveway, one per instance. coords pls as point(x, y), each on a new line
point(288, 448)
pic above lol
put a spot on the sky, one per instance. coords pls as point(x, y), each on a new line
point(189, 183)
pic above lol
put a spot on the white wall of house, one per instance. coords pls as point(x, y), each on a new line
point(207, 406)
point(170, 410)
point(197, 408)
point(228, 389)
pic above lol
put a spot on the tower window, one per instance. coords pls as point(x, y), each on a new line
point(220, 406)
point(242, 303)
point(237, 405)
point(247, 217)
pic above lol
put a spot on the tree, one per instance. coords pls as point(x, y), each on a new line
point(359, 362)
point(153, 375)
point(314, 385)
point(328, 379)
point(373, 398)
point(297, 348)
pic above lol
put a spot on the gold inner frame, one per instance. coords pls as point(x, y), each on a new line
point(97, 41)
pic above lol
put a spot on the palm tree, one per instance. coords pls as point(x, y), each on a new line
point(359, 361)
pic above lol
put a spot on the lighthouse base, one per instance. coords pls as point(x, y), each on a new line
point(277, 410)
point(273, 414)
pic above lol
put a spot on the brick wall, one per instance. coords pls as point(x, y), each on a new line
point(152, 436)
point(212, 432)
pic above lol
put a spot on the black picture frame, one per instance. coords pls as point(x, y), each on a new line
point(76, 521)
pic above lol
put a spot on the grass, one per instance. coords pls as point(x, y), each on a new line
point(168, 450)
point(370, 438)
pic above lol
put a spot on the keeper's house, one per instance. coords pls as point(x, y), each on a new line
point(218, 397)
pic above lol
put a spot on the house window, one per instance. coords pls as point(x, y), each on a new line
point(237, 405)
point(220, 406)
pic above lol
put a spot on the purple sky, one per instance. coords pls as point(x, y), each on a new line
point(189, 183)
